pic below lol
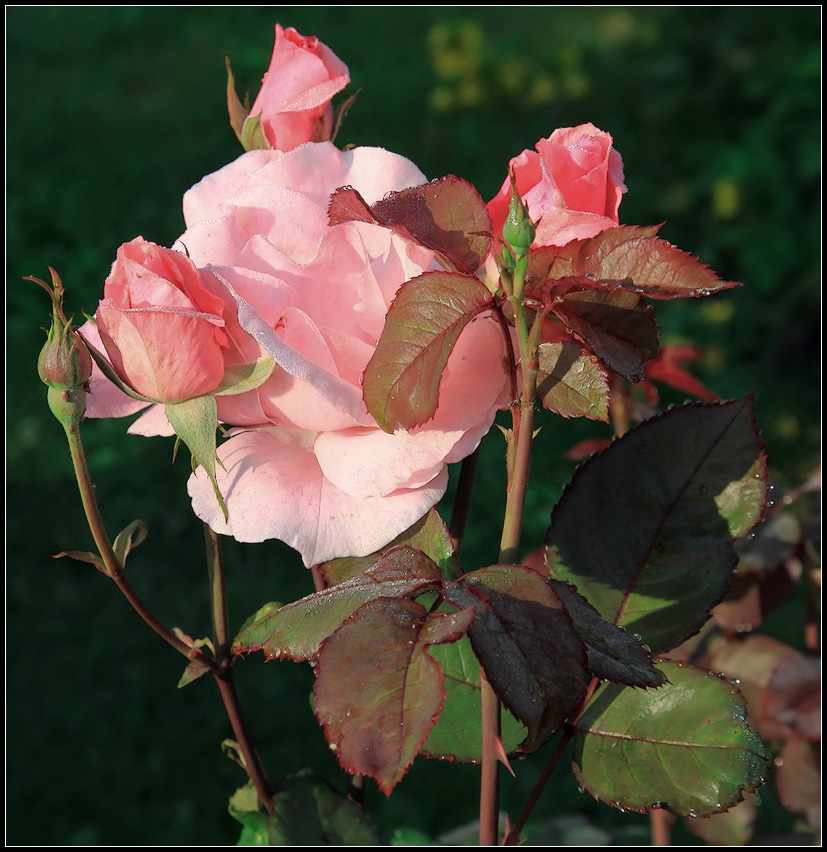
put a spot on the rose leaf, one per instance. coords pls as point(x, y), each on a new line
point(401, 381)
point(378, 693)
point(570, 382)
point(296, 631)
point(645, 529)
point(686, 746)
point(525, 641)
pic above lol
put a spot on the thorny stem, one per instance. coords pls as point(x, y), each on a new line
point(223, 672)
point(112, 565)
point(523, 428)
point(113, 568)
point(513, 836)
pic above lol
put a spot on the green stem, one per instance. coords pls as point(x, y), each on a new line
point(112, 565)
point(523, 429)
point(224, 673)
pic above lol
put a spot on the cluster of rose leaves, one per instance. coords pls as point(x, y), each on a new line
point(343, 319)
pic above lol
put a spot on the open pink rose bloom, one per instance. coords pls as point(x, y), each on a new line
point(305, 462)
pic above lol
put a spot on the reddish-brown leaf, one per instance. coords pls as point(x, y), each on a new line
point(571, 382)
point(378, 693)
point(446, 215)
point(401, 381)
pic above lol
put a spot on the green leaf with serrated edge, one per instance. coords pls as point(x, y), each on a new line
point(241, 378)
point(457, 735)
point(296, 631)
point(83, 556)
point(429, 535)
point(644, 531)
point(195, 421)
point(307, 811)
point(194, 669)
point(128, 539)
point(235, 109)
point(446, 215)
point(260, 613)
point(401, 381)
point(525, 641)
point(686, 746)
point(378, 693)
point(615, 324)
point(571, 382)
point(611, 652)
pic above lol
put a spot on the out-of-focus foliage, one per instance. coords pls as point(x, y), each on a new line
point(113, 112)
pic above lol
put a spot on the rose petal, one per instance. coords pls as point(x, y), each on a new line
point(274, 488)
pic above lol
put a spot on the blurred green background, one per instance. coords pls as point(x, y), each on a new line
point(112, 113)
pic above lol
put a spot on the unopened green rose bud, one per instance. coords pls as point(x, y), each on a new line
point(64, 364)
point(518, 229)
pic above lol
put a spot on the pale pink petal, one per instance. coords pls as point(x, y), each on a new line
point(103, 398)
point(341, 395)
point(152, 423)
point(274, 488)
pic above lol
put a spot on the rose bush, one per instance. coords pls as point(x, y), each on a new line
point(306, 463)
point(293, 103)
point(572, 184)
point(162, 329)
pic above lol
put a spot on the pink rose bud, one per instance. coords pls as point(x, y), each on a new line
point(64, 362)
point(161, 327)
point(294, 102)
point(572, 184)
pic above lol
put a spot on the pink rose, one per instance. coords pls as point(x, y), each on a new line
point(572, 184)
point(307, 463)
point(294, 100)
point(161, 328)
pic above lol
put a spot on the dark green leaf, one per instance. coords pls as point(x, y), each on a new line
point(525, 641)
point(685, 746)
point(571, 382)
point(612, 653)
point(401, 382)
point(378, 693)
point(645, 529)
point(296, 631)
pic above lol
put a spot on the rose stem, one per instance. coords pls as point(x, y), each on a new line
point(112, 565)
point(523, 421)
point(223, 672)
point(513, 836)
point(661, 822)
